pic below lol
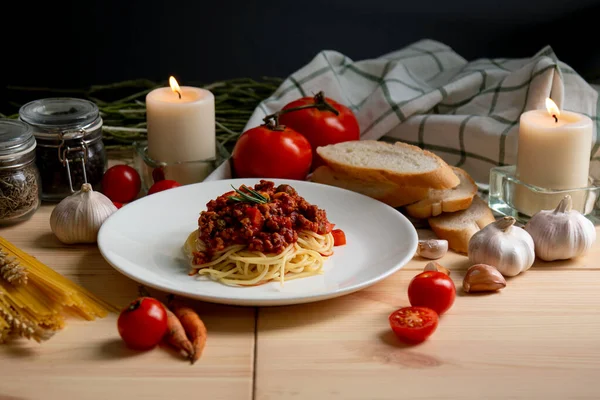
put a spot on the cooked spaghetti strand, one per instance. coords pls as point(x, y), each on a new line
point(260, 234)
point(240, 267)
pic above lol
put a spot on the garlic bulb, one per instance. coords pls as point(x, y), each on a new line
point(508, 248)
point(562, 233)
point(78, 217)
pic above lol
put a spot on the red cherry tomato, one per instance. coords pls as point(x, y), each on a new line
point(432, 289)
point(121, 183)
point(320, 124)
point(413, 324)
point(117, 204)
point(163, 185)
point(266, 152)
point(143, 323)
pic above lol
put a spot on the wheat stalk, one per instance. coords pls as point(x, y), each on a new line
point(11, 270)
point(19, 326)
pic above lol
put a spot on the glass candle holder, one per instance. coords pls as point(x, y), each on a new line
point(184, 172)
point(511, 197)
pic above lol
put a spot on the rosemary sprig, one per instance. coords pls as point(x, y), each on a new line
point(251, 197)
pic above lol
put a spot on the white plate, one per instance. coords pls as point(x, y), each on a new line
point(144, 239)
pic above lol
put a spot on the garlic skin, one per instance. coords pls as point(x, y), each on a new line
point(432, 248)
point(483, 278)
point(562, 233)
point(78, 217)
point(500, 244)
point(434, 266)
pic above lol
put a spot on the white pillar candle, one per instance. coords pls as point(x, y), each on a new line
point(554, 152)
point(181, 127)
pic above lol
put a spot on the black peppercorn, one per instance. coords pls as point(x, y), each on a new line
point(69, 149)
point(54, 173)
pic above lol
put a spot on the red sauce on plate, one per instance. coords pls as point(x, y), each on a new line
point(267, 227)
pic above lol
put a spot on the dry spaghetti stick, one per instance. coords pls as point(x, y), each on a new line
point(193, 325)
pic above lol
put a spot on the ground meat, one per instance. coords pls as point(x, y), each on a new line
point(268, 227)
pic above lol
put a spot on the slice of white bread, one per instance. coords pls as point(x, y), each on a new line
point(401, 163)
point(386, 192)
point(445, 200)
point(458, 227)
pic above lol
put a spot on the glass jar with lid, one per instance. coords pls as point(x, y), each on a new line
point(70, 151)
point(20, 194)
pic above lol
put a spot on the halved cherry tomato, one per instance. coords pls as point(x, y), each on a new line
point(339, 237)
point(432, 289)
point(143, 323)
point(413, 324)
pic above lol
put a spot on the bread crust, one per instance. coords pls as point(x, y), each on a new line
point(446, 200)
point(458, 233)
point(386, 192)
point(440, 178)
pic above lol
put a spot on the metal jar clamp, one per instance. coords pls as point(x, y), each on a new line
point(64, 151)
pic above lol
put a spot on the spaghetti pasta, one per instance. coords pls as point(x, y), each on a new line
point(237, 266)
point(35, 305)
point(265, 234)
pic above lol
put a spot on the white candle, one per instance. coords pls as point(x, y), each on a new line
point(554, 152)
point(181, 127)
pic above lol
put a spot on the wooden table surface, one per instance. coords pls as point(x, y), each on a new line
point(539, 338)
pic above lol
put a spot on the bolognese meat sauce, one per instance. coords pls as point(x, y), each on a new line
point(268, 227)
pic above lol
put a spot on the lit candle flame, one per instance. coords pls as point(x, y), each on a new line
point(175, 86)
point(552, 109)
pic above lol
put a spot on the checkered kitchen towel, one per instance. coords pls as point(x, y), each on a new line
point(429, 96)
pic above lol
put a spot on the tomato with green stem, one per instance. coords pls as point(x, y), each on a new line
point(321, 120)
point(143, 323)
point(271, 151)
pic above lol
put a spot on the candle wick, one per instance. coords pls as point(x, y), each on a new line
point(179, 93)
point(554, 115)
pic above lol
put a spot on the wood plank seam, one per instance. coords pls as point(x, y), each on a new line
point(255, 352)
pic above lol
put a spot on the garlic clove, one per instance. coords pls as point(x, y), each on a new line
point(483, 278)
point(434, 266)
point(78, 217)
point(432, 249)
point(562, 233)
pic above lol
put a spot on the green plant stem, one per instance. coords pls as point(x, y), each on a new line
point(123, 109)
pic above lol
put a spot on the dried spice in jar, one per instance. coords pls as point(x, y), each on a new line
point(20, 194)
point(70, 151)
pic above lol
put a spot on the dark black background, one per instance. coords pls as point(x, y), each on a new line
point(79, 43)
